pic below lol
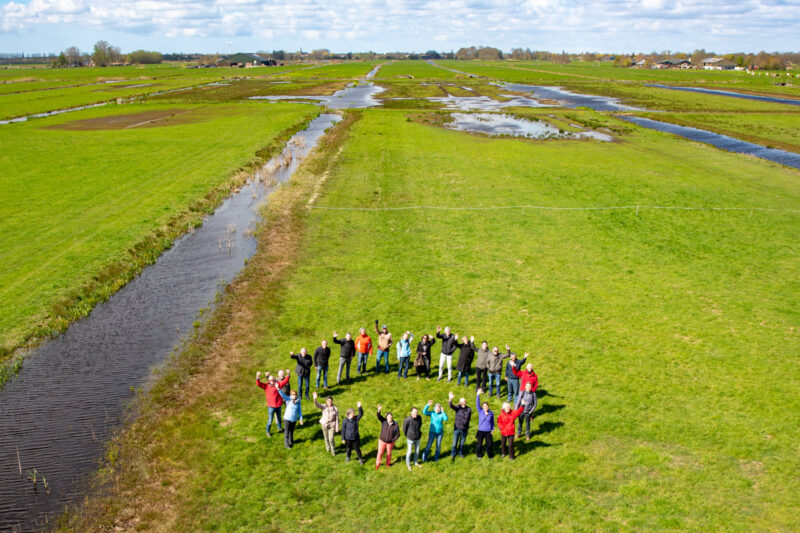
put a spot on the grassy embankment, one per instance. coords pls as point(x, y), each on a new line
point(91, 205)
point(665, 341)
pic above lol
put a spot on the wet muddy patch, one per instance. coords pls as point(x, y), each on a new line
point(506, 125)
point(145, 119)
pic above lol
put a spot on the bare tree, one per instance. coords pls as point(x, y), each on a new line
point(73, 55)
point(104, 54)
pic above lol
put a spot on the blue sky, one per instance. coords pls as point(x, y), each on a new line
point(206, 25)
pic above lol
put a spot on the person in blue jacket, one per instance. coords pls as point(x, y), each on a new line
point(292, 415)
point(485, 427)
point(404, 354)
point(436, 430)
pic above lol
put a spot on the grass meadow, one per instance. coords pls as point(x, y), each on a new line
point(666, 342)
point(86, 192)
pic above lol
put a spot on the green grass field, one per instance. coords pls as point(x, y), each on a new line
point(82, 197)
point(666, 342)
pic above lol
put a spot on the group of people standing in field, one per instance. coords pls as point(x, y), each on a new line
point(521, 394)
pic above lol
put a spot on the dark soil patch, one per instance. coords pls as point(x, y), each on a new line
point(145, 119)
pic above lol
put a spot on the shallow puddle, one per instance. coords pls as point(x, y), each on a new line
point(502, 124)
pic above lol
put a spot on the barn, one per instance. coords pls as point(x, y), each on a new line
point(243, 60)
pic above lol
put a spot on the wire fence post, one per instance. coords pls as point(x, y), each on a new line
point(637, 210)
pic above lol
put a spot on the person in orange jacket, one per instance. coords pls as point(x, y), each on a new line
point(505, 421)
point(363, 349)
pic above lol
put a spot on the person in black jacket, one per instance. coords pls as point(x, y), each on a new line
point(463, 416)
point(422, 364)
point(303, 371)
point(412, 429)
point(390, 432)
point(321, 356)
point(350, 435)
point(345, 355)
point(465, 357)
point(448, 347)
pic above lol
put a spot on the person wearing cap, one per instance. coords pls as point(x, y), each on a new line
point(384, 343)
point(364, 350)
point(274, 400)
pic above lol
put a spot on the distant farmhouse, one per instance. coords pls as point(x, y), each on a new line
point(673, 63)
point(243, 60)
point(718, 63)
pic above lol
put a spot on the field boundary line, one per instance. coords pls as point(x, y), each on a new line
point(555, 208)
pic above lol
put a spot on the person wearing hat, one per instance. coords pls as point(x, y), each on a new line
point(384, 343)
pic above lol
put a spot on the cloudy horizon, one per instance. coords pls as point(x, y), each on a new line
point(207, 26)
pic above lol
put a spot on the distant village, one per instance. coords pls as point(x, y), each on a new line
point(104, 54)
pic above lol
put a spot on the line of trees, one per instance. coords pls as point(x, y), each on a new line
point(104, 54)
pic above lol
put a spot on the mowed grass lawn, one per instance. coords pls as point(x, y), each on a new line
point(75, 201)
point(666, 343)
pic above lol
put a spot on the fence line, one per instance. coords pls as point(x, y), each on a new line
point(555, 208)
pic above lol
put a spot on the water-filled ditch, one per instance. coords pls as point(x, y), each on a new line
point(70, 395)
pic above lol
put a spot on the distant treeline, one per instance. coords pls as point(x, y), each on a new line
point(104, 54)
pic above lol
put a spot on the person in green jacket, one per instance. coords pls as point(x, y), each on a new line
point(436, 430)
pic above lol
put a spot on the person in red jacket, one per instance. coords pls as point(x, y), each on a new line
point(526, 376)
point(274, 400)
point(505, 421)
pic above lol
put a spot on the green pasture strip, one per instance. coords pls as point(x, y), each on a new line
point(775, 130)
point(22, 104)
point(79, 200)
point(665, 341)
point(353, 69)
point(418, 69)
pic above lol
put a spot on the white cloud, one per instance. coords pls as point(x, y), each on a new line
point(421, 24)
